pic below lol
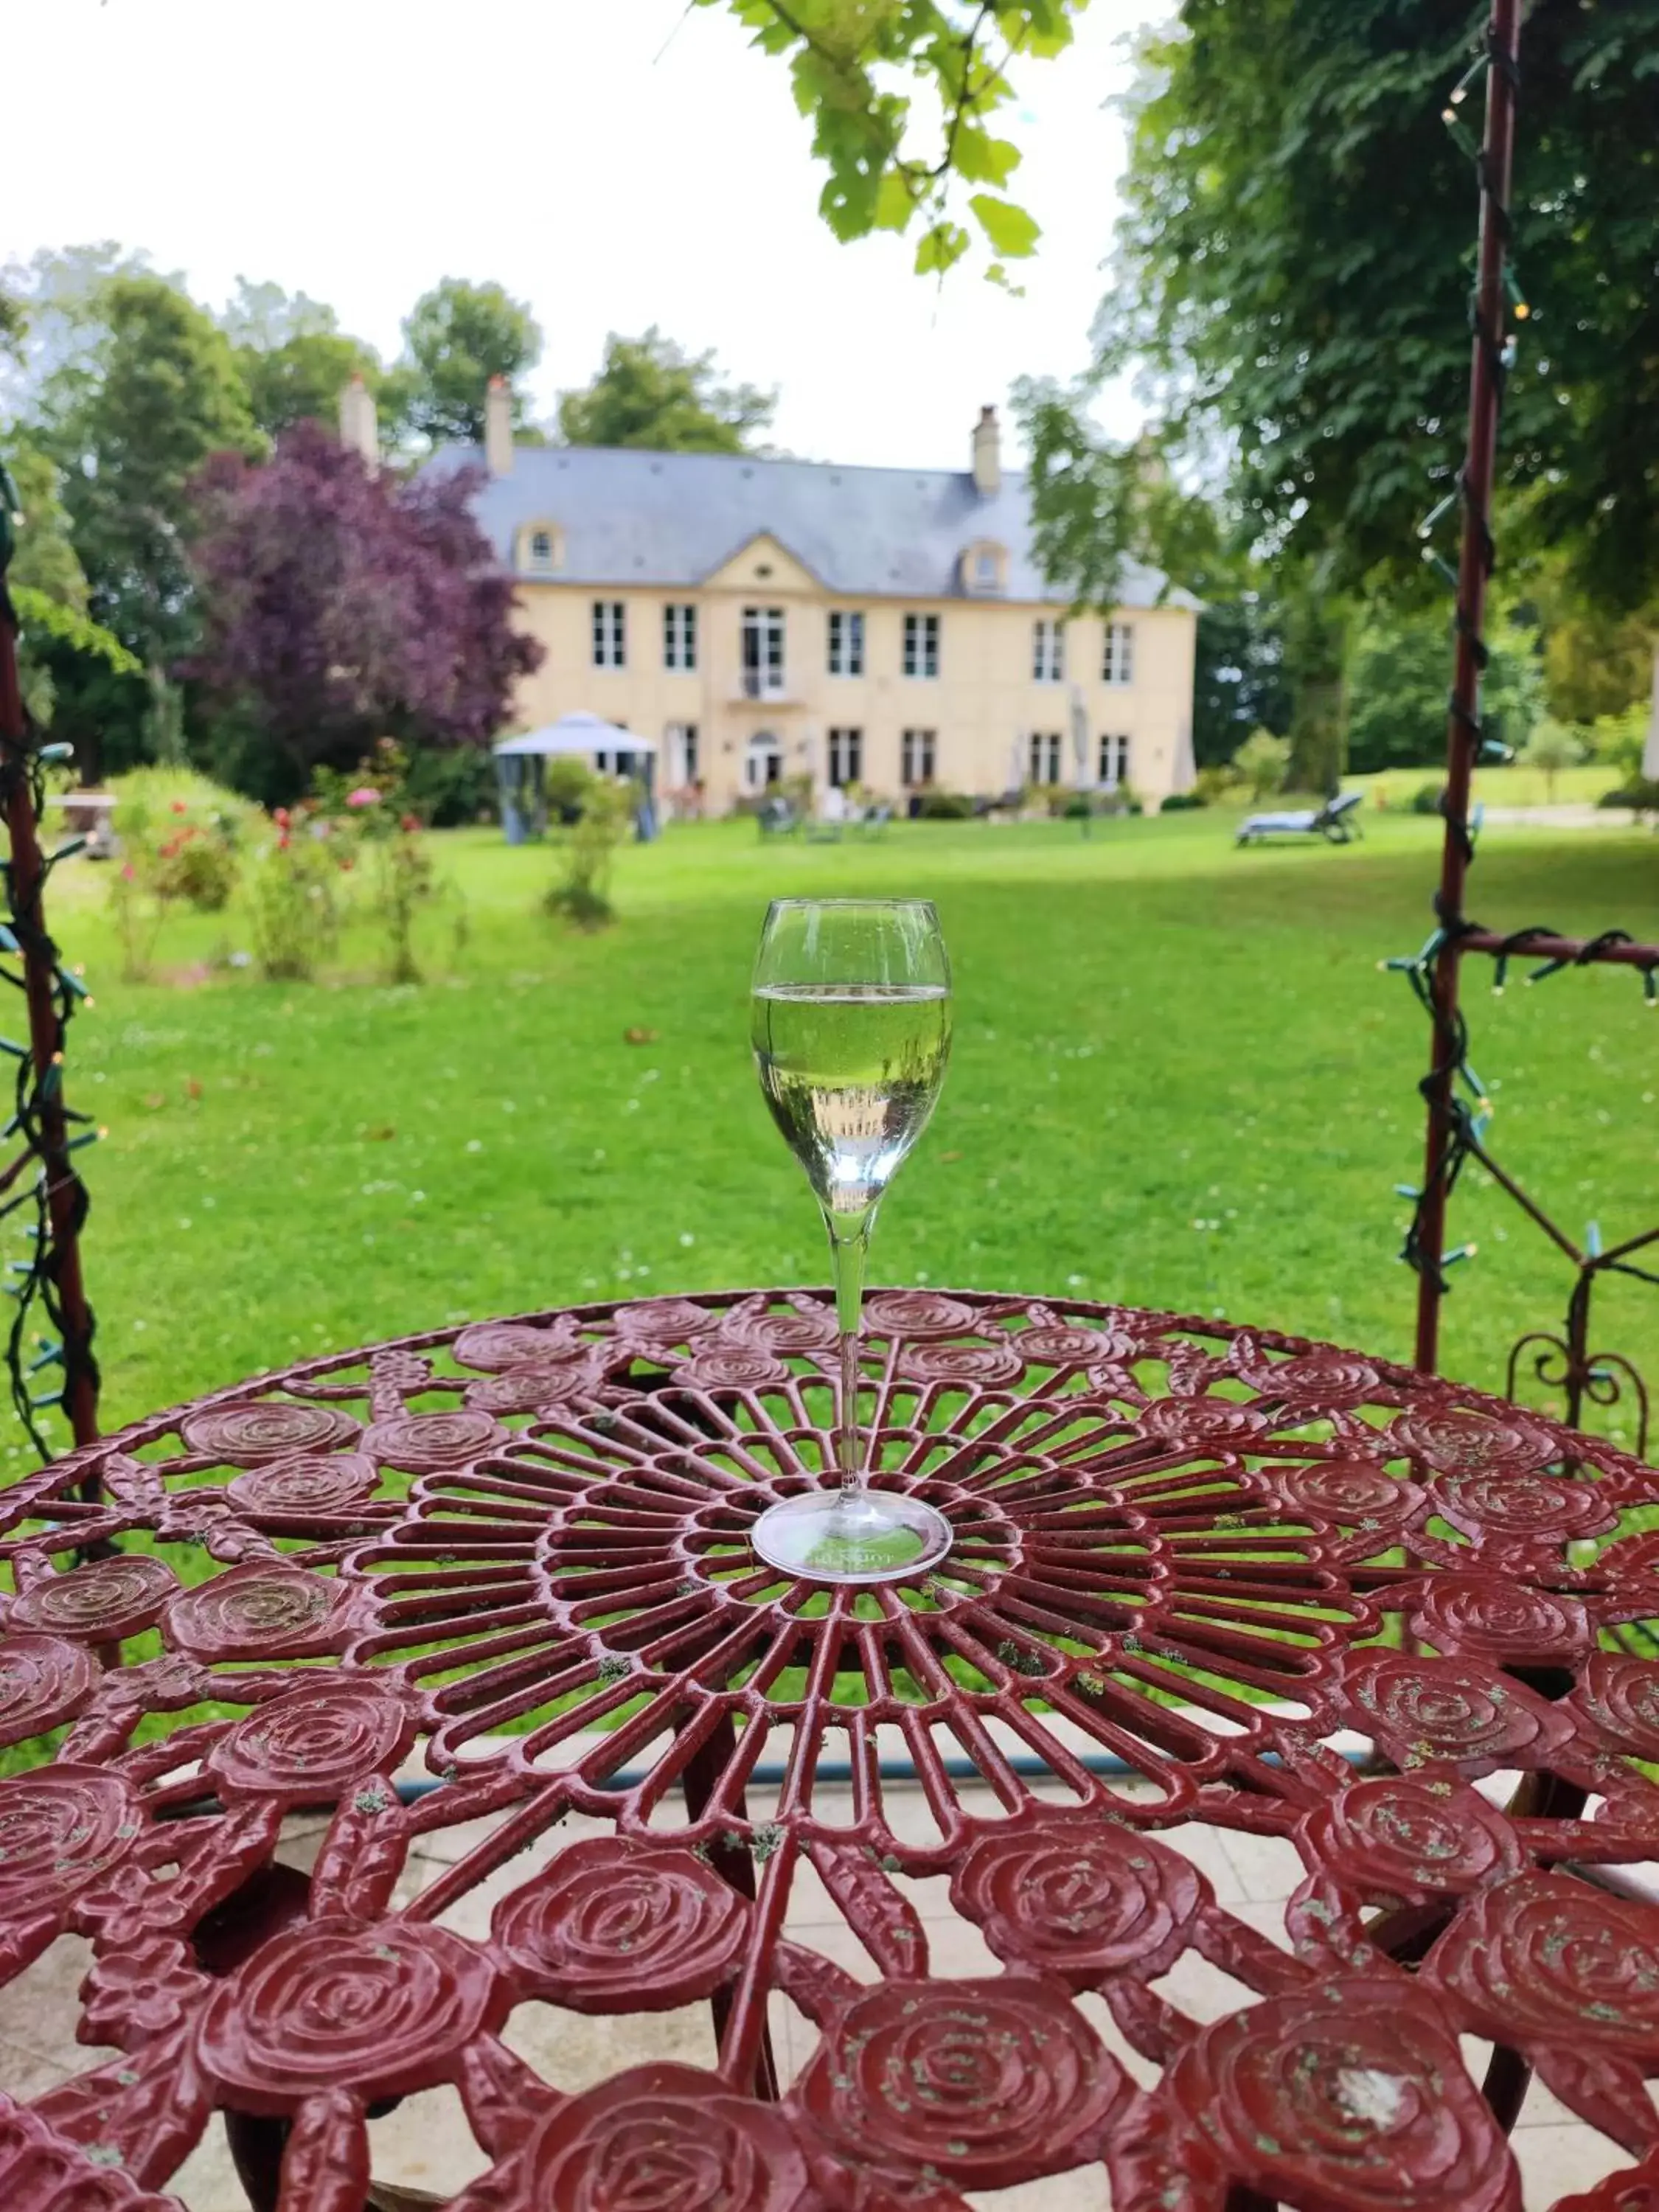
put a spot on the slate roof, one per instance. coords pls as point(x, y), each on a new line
point(631, 517)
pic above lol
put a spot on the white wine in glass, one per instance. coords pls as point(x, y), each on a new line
point(851, 1027)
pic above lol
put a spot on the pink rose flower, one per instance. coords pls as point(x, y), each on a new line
point(365, 795)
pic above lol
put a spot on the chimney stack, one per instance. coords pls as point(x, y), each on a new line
point(498, 426)
point(360, 432)
point(987, 454)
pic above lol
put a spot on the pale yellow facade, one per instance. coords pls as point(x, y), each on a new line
point(973, 723)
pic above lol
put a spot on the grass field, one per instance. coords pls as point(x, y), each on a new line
point(1178, 1079)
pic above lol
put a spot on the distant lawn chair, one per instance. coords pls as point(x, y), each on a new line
point(777, 818)
point(1334, 822)
point(873, 821)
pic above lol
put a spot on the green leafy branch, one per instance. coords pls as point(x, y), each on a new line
point(70, 627)
point(844, 56)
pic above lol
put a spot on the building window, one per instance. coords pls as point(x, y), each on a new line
point(762, 762)
point(683, 762)
point(1118, 662)
point(763, 652)
point(1114, 762)
point(845, 757)
point(845, 643)
point(984, 569)
point(543, 552)
point(609, 633)
point(1045, 755)
point(679, 637)
point(917, 753)
point(921, 645)
point(1048, 651)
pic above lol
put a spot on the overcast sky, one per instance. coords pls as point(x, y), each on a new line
point(612, 162)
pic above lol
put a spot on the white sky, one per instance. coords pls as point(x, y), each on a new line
point(613, 162)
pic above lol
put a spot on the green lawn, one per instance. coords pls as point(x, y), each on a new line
point(1178, 1079)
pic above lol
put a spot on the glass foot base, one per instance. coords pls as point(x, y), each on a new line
point(879, 1538)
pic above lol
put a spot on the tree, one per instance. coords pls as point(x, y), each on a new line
point(342, 606)
point(294, 359)
point(49, 588)
point(850, 65)
point(457, 336)
point(1552, 747)
point(649, 393)
point(1264, 761)
point(130, 430)
point(1264, 272)
point(1397, 675)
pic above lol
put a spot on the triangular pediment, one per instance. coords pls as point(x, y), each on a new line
point(762, 562)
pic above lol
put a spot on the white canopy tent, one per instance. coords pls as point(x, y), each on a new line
point(520, 767)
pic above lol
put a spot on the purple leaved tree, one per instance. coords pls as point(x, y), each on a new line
point(340, 606)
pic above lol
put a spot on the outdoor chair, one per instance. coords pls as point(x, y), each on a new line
point(777, 818)
point(873, 822)
point(1334, 822)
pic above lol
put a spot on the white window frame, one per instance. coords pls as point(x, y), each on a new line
point(762, 642)
point(679, 635)
point(683, 747)
point(846, 642)
point(921, 646)
point(1117, 654)
point(609, 633)
point(1047, 651)
point(918, 757)
point(542, 550)
point(845, 757)
point(763, 751)
point(1045, 755)
point(1114, 760)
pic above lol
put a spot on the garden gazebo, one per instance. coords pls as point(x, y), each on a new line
point(520, 768)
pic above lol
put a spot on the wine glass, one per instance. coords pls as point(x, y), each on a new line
point(851, 1027)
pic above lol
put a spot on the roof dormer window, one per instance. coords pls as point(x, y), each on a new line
point(541, 549)
point(984, 569)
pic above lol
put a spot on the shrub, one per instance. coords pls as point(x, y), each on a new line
point(1425, 800)
point(583, 894)
point(293, 901)
point(450, 787)
point(174, 850)
point(945, 806)
point(369, 816)
point(1640, 796)
point(1218, 782)
point(569, 779)
point(1263, 762)
point(1617, 741)
point(1182, 802)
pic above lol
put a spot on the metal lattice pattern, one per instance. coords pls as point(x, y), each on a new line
point(1186, 1556)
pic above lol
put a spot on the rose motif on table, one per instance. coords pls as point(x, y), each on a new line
point(1071, 1896)
point(616, 1926)
point(1052, 1346)
point(256, 1612)
point(382, 2010)
point(1528, 1506)
point(801, 1331)
point(1200, 1423)
point(1402, 1836)
point(43, 1681)
point(982, 1366)
point(547, 1381)
point(663, 1321)
point(427, 1443)
point(61, 1829)
point(99, 1602)
point(987, 2083)
point(917, 1312)
point(1620, 1695)
point(1355, 1493)
point(41, 2172)
point(1496, 1617)
point(313, 1744)
point(493, 1345)
point(732, 1367)
point(1352, 2094)
point(307, 1490)
point(1453, 1709)
point(1547, 1958)
point(274, 1428)
point(1457, 1443)
point(664, 2138)
point(1331, 1380)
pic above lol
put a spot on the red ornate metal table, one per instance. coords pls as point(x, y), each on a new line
point(479, 1583)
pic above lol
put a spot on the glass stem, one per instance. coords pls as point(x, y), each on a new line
point(849, 1253)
